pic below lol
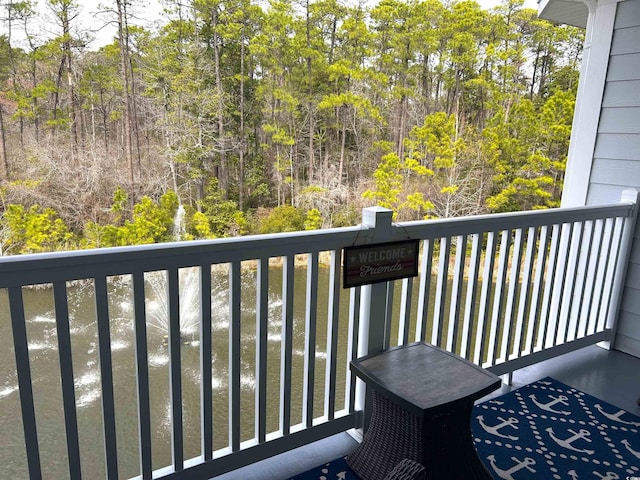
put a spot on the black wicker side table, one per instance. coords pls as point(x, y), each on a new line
point(422, 401)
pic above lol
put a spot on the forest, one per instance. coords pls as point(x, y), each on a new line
point(245, 117)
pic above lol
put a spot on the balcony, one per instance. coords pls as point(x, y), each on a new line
point(194, 359)
point(606, 374)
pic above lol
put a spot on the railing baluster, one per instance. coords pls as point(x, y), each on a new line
point(424, 290)
point(557, 304)
point(388, 315)
point(25, 386)
point(175, 369)
point(575, 264)
point(234, 355)
point(206, 384)
point(286, 344)
point(262, 326)
point(525, 300)
point(536, 294)
point(441, 291)
point(456, 293)
point(498, 300)
point(594, 272)
point(66, 376)
point(332, 336)
point(512, 294)
point(142, 377)
point(586, 274)
point(485, 295)
point(612, 261)
point(310, 339)
point(106, 378)
point(599, 291)
point(544, 336)
point(405, 311)
point(352, 347)
point(470, 302)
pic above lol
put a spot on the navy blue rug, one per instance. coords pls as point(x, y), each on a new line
point(334, 470)
point(548, 430)
point(543, 431)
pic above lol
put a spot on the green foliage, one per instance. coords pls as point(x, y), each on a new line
point(434, 143)
point(200, 226)
point(284, 218)
point(119, 203)
point(388, 182)
point(33, 230)
point(431, 108)
point(393, 182)
point(313, 219)
point(347, 216)
point(152, 222)
point(528, 152)
point(223, 215)
point(361, 105)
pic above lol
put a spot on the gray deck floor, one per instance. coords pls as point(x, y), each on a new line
point(611, 376)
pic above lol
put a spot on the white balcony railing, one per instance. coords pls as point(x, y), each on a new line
point(262, 365)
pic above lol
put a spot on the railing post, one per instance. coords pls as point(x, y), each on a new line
point(373, 297)
point(622, 263)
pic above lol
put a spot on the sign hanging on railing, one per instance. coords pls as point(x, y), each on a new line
point(379, 262)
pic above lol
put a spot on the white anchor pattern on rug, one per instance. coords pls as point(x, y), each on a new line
point(568, 443)
point(615, 416)
point(334, 470)
point(562, 399)
point(511, 421)
point(607, 476)
point(626, 443)
point(548, 430)
point(508, 473)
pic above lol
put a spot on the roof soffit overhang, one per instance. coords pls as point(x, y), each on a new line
point(570, 12)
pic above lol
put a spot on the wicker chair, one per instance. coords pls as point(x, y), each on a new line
point(407, 470)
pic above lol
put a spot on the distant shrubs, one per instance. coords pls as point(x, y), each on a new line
point(32, 230)
point(284, 218)
point(38, 229)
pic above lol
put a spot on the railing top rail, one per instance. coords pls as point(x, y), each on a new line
point(47, 267)
point(78, 264)
point(448, 227)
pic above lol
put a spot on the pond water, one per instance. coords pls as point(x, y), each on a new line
point(45, 368)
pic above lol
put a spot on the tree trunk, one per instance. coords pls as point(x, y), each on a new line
point(4, 162)
point(36, 118)
point(343, 142)
point(242, 132)
point(223, 173)
point(66, 46)
point(309, 99)
point(126, 95)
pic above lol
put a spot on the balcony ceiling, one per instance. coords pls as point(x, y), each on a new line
point(570, 12)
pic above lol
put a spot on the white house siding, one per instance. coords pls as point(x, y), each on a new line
point(628, 338)
point(616, 159)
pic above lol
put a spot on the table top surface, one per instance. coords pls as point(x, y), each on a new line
point(421, 377)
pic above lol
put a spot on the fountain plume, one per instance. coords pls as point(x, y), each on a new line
point(189, 297)
point(178, 224)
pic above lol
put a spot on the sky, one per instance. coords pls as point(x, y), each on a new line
point(146, 14)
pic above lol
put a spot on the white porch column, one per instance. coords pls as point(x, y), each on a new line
point(595, 61)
